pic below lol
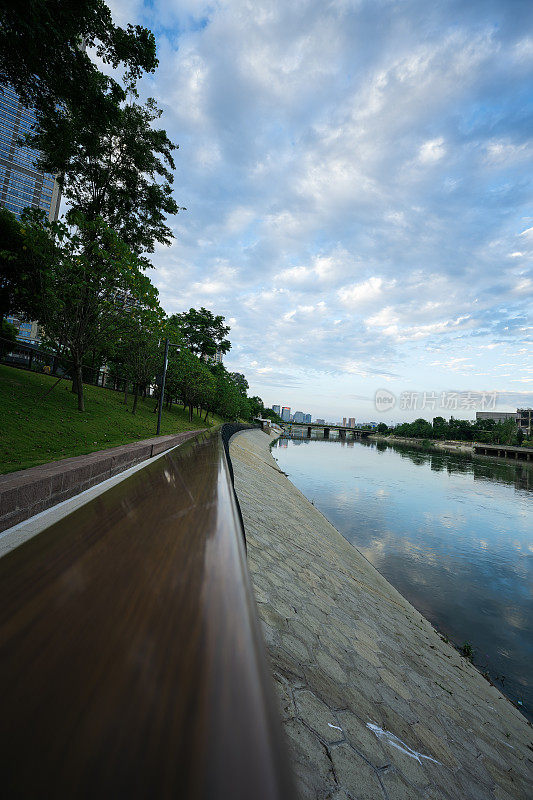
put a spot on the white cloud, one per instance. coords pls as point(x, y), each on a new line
point(362, 293)
point(432, 150)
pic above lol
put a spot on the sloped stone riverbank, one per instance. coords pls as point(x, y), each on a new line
point(374, 704)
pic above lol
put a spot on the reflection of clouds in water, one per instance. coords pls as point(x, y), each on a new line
point(452, 521)
point(515, 619)
point(346, 496)
point(455, 546)
point(503, 652)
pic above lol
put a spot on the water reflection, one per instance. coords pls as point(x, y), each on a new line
point(453, 533)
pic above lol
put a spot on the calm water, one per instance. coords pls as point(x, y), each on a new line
point(452, 534)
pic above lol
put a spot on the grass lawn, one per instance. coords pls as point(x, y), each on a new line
point(36, 427)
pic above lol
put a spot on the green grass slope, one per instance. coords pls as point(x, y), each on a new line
point(38, 425)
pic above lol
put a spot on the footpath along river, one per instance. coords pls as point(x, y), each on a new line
point(454, 535)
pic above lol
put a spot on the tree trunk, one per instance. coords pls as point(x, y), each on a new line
point(206, 413)
point(126, 387)
point(135, 398)
point(190, 413)
point(79, 384)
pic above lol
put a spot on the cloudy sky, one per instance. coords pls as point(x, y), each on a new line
point(357, 177)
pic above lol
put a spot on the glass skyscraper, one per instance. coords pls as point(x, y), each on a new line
point(21, 185)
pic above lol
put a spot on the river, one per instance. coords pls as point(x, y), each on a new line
point(453, 534)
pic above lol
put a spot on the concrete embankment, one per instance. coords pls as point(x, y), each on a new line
point(375, 705)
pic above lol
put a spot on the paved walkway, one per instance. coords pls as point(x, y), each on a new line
point(375, 705)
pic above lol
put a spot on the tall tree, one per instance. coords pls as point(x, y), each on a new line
point(229, 399)
point(43, 54)
point(117, 167)
point(135, 348)
point(239, 381)
point(111, 159)
point(190, 379)
point(86, 286)
point(203, 332)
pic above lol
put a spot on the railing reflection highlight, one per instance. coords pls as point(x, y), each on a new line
point(132, 663)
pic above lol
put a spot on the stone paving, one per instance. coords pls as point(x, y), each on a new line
point(375, 704)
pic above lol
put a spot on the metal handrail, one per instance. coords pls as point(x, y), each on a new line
point(131, 659)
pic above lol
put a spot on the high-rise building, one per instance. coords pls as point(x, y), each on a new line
point(276, 410)
point(21, 184)
point(216, 359)
point(344, 421)
point(524, 419)
point(320, 422)
point(307, 418)
point(351, 422)
point(299, 416)
point(496, 416)
point(286, 414)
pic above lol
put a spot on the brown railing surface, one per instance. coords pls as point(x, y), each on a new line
point(131, 660)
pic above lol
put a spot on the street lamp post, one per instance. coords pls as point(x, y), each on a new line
point(162, 392)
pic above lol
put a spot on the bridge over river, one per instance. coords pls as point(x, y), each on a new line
point(305, 430)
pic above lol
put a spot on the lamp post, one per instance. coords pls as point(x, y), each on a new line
point(162, 392)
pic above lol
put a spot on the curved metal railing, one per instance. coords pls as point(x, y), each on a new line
point(131, 660)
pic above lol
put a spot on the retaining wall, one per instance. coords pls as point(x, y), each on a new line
point(30, 491)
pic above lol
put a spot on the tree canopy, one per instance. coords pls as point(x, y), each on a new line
point(117, 167)
point(202, 332)
point(23, 260)
point(43, 53)
point(86, 277)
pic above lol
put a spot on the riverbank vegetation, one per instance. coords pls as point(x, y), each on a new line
point(486, 431)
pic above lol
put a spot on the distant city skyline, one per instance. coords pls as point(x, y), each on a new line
point(460, 405)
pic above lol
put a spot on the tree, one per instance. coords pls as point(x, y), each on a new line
point(9, 337)
point(43, 55)
point(117, 167)
point(9, 331)
point(83, 291)
point(21, 266)
point(269, 414)
point(189, 378)
point(110, 160)
point(136, 348)
point(382, 428)
point(506, 431)
point(229, 399)
point(203, 333)
point(239, 381)
point(256, 406)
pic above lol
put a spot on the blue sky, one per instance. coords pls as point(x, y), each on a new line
point(357, 175)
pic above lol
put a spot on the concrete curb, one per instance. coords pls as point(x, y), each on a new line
point(30, 491)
